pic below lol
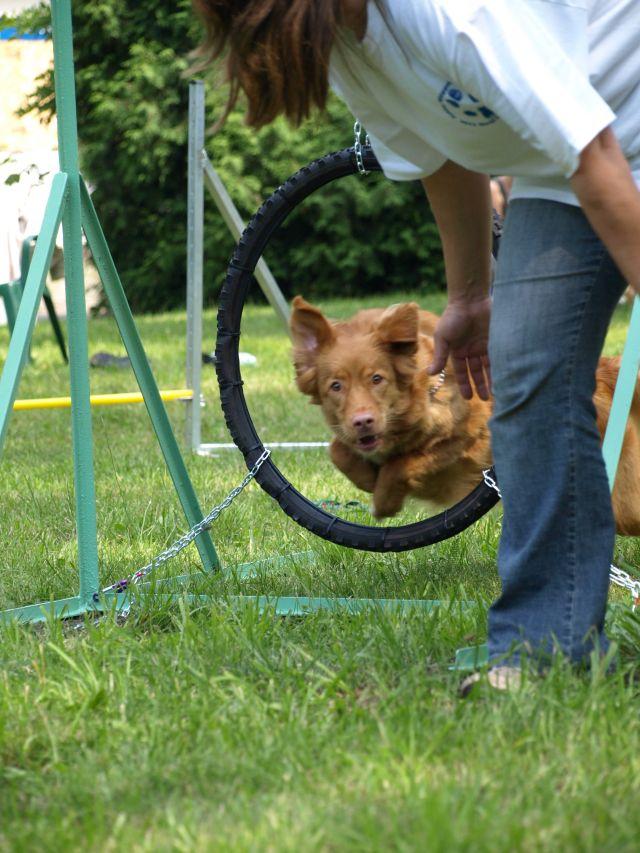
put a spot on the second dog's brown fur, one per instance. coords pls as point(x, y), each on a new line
point(397, 431)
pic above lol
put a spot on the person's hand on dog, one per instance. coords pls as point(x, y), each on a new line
point(462, 334)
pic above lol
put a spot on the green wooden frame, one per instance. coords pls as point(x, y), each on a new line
point(70, 204)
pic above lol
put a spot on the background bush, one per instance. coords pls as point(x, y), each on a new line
point(132, 95)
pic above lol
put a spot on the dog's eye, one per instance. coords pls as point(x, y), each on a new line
point(336, 386)
point(376, 379)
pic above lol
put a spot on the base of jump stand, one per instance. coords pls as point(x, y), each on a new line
point(280, 605)
point(470, 658)
point(171, 590)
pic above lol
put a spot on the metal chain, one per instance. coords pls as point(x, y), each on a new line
point(617, 576)
point(435, 388)
point(624, 579)
point(489, 481)
point(357, 147)
point(181, 543)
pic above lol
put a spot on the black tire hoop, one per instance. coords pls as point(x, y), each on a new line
point(239, 277)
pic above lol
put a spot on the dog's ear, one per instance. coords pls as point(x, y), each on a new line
point(397, 328)
point(310, 329)
point(397, 331)
point(310, 332)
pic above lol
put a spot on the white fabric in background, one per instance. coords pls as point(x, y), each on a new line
point(13, 7)
point(10, 234)
point(22, 205)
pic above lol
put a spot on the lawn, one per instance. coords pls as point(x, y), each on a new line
point(217, 727)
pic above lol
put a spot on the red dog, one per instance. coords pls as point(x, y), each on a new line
point(399, 432)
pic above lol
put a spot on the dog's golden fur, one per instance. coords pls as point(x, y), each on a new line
point(397, 431)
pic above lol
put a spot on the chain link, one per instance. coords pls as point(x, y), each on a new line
point(489, 481)
point(435, 388)
point(181, 543)
point(624, 579)
point(357, 147)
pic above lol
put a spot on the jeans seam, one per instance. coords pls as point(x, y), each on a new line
point(572, 560)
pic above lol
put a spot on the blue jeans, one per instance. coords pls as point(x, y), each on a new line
point(555, 291)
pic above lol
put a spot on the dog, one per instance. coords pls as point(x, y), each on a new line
point(399, 432)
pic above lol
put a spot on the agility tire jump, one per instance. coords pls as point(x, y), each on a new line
point(239, 278)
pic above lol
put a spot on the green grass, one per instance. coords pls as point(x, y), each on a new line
point(219, 728)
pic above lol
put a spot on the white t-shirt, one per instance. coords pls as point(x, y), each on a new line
point(510, 87)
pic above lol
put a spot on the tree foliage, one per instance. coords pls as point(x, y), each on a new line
point(131, 57)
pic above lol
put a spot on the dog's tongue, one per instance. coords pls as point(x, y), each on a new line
point(367, 441)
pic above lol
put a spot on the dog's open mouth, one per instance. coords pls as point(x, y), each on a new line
point(368, 442)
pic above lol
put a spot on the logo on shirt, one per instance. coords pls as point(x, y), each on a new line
point(464, 107)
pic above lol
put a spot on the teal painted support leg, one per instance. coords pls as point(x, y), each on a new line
point(28, 308)
point(282, 605)
point(157, 412)
point(81, 427)
point(55, 324)
point(289, 605)
point(623, 395)
point(81, 423)
point(63, 608)
point(11, 293)
point(471, 657)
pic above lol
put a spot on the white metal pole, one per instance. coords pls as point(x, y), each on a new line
point(195, 250)
point(229, 212)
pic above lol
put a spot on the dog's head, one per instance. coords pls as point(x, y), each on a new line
point(363, 372)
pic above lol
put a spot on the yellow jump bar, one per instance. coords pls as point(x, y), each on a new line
point(99, 400)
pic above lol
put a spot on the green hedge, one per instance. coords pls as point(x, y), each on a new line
point(131, 57)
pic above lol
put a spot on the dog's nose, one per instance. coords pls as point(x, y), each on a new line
point(362, 421)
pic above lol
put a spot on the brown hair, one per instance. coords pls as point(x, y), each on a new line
point(276, 51)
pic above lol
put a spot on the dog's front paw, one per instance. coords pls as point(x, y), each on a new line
point(386, 507)
point(361, 472)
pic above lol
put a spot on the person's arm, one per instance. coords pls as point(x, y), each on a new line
point(610, 199)
point(461, 204)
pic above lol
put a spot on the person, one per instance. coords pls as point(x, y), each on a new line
point(500, 186)
point(450, 92)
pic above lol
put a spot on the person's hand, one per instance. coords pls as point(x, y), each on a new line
point(462, 334)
